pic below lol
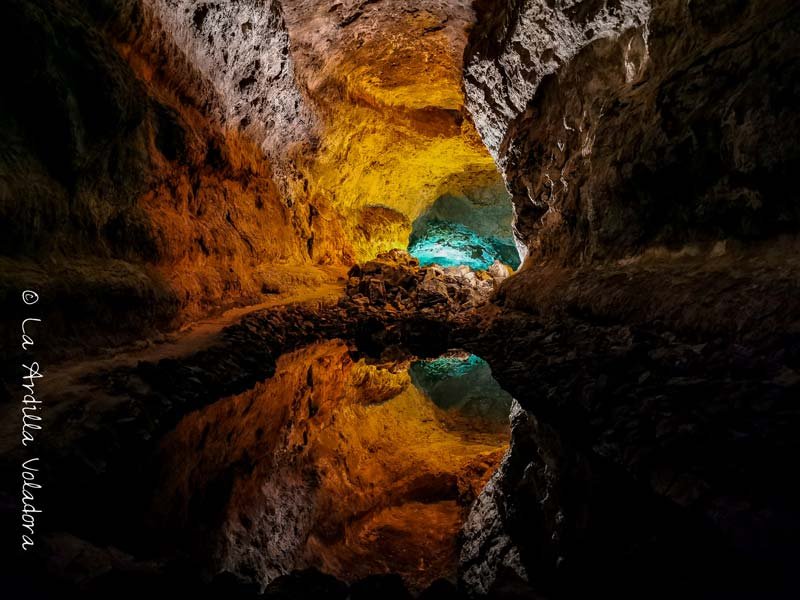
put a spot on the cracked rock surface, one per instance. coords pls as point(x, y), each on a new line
point(616, 133)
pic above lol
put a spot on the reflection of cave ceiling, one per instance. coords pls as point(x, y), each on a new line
point(341, 465)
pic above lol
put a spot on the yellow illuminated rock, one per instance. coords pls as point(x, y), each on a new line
point(387, 85)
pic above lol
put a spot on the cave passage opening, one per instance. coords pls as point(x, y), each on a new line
point(472, 229)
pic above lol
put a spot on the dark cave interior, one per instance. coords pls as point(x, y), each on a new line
point(384, 299)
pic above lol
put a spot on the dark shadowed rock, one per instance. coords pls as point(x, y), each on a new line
point(308, 584)
point(441, 589)
point(386, 587)
point(617, 133)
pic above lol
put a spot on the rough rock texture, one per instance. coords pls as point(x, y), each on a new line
point(133, 198)
point(516, 44)
point(242, 50)
point(385, 78)
point(160, 158)
point(395, 283)
point(486, 211)
point(469, 228)
point(627, 124)
point(650, 337)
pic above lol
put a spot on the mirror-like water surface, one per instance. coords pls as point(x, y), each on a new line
point(349, 465)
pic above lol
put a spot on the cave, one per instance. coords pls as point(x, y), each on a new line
point(458, 299)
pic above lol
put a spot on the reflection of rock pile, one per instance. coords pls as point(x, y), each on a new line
point(395, 282)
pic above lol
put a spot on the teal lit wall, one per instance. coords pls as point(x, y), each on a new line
point(452, 244)
point(471, 230)
point(463, 383)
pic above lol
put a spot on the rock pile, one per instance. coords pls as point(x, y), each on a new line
point(395, 282)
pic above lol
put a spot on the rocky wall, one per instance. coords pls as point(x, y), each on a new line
point(624, 125)
point(648, 149)
point(385, 79)
point(137, 192)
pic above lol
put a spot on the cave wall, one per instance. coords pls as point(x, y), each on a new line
point(472, 228)
point(626, 125)
point(139, 190)
point(648, 147)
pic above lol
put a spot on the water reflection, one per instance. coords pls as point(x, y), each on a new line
point(463, 383)
point(352, 467)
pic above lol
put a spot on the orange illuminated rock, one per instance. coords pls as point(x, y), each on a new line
point(332, 463)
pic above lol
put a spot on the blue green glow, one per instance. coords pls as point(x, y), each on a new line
point(462, 383)
point(451, 244)
point(444, 367)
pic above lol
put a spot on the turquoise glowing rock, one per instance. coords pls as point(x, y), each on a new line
point(462, 383)
point(452, 244)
